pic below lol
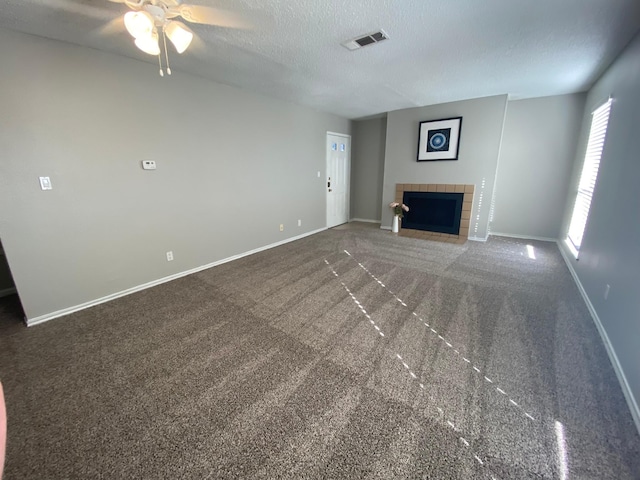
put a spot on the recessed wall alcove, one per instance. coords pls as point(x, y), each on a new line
point(431, 231)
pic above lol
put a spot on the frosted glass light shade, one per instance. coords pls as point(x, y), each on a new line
point(149, 44)
point(179, 35)
point(138, 24)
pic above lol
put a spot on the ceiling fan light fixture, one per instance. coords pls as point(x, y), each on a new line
point(180, 35)
point(149, 44)
point(139, 24)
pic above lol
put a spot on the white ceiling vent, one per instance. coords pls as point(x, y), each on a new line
point(364, 40)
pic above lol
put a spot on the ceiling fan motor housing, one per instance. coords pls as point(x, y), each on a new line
point(156, 12)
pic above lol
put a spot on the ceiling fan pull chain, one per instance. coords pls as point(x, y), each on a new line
point(160, 63)
point(166, 54)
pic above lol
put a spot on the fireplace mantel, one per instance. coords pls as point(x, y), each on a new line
point(465, 221)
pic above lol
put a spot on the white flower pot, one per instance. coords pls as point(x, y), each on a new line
point(396, 224)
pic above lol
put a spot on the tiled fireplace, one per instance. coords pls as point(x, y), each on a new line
point(466, 192)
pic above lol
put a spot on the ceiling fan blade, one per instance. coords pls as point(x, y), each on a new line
point(132, 4)
point(212, 16)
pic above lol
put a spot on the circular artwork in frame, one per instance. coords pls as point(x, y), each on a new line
point(439, 139)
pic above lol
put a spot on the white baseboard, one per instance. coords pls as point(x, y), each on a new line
point(7, 291)
point(385, 227)
point(622, 379)
point(66, 311)
point(524, 237)
point(366, 220)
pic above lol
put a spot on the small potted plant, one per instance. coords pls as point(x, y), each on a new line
point(398, 213)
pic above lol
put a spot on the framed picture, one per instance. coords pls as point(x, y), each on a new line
point(439, 139)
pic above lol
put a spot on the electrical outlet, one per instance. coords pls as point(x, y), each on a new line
point(606, 291)
point(299, 223)
point(282, 227)
point(169, 256)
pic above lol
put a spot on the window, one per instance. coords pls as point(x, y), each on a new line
point(588, 177)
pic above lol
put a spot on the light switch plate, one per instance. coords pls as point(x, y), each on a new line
point(45, 183)
point(148, 165)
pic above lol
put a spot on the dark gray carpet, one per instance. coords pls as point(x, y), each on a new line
point(402, 358)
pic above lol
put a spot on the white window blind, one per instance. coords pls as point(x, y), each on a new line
point(589, 175)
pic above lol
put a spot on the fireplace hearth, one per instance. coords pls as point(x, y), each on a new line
point(439, 212)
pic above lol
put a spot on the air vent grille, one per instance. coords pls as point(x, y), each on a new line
point(364, 40)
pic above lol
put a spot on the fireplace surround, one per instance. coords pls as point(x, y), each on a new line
point(459, 236)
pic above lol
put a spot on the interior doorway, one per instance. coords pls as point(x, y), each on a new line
point(10, 307)
point(338, 178)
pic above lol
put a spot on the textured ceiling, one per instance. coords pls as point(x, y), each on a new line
point(438, 51)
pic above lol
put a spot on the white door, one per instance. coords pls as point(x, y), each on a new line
point(338, 170)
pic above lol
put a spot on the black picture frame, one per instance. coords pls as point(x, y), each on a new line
point(439, 139)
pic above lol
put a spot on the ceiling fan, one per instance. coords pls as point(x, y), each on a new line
point(150, 21)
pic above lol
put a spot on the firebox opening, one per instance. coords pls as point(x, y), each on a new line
point(433, 212)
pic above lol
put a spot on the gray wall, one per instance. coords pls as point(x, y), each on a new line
point(367, 168)
point(232, 166)
point(610, 252)
point(536, 160)
point(482, 123)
